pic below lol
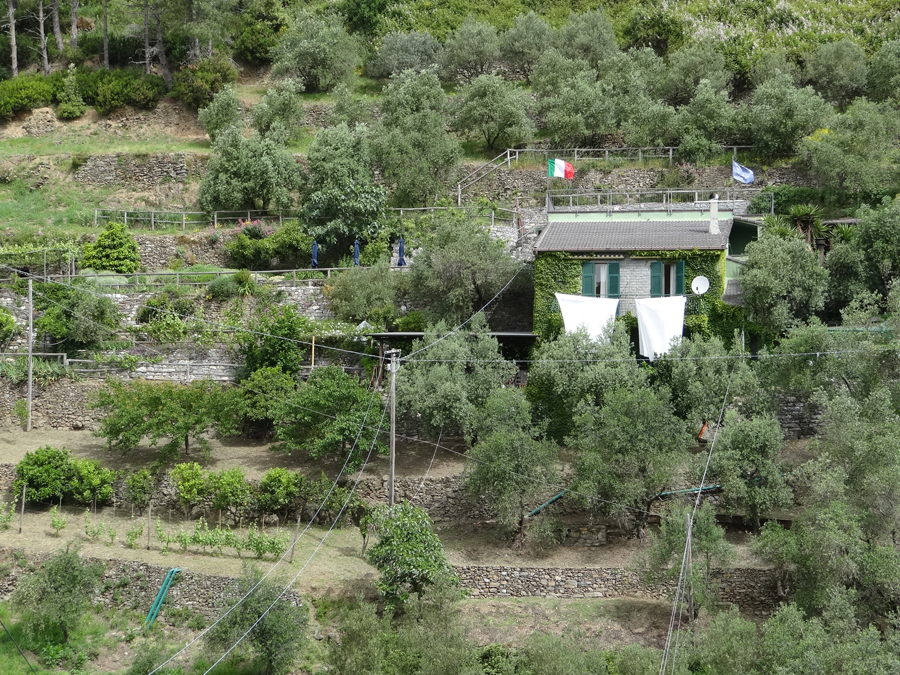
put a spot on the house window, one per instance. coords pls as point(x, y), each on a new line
point(666, 279)
point(600, 279)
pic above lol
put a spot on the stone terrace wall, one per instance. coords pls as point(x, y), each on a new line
point(140, 171)
point(61, 405)
point(798, 417)
point(751, 589)
point(135, 584)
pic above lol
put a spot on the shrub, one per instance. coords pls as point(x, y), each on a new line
point(781, 114)
point(47, 472)
point(114, 251)
point(837, 70)
point(286, 247)
point(166, 303)
point(23, 93)
point(257, 31)
point(360, 293)
point(71, 105)
point(690, 65)
point(8, 327)
point(223, 288)
point(197, 84)
point(404, 51)
point(317, 51)
point(91, 482)
point(108, 90)
point(222, 112)
point(139, 488)
point(884, 72)
point(280, 107)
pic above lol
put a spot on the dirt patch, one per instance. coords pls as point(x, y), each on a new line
point(597, 624)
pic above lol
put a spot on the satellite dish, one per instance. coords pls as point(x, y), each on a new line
point(700, 285)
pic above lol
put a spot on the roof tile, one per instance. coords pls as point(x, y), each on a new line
point(649, 235)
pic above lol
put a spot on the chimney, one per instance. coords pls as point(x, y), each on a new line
point(714, 214)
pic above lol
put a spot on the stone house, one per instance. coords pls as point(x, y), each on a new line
point(630, 254)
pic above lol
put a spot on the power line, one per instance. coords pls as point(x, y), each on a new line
point(213, 324)
point(312, 555)
point(290, 548)
point(18, 647)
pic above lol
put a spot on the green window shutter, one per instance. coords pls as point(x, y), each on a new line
point(587, 278)
point(656, 280)
point(612, 280)
point(679, 277)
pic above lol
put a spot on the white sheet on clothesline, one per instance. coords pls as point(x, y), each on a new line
point(660, 321)
point(592, 314)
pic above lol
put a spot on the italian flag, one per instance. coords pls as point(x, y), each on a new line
point(557, 168)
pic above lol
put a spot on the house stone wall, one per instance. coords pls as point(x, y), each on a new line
point(634, 282)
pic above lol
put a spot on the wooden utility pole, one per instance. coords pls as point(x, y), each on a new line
point(688, 563)
point(30, 352)
point(395, 366)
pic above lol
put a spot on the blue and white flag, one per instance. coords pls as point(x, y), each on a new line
point(741, 173)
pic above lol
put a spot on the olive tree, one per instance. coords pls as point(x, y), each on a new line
point(588, 37)
point(280, 107)
point(838, 71)
point(781, 113)
point(496, 110)
point(522, 44)
point(472, 50)
point(415, 50)
point(223, 111)
point(317, 51)
point(884, 72)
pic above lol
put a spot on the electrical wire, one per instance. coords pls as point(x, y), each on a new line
point(687, 543)
point(487, 304)
point(213, 324)
point(312, 555)
point(428, 470)
point(18, 647)
point(291, 547)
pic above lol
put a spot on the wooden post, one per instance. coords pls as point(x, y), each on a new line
point(126, 218)
point(96, 211)
point(183, 216)
point(149, 520)
point(670, 156)
point(153, 220)
point(30, 351)
point(215, 219)
point(22, 512)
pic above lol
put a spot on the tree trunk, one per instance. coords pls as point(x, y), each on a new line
point(73, 37)
point(194, 51)
point(13, 57)
point(146, 37)
point(161, 51)
point(57, 31)
point(42, 37)
point(65, 631)
point(105, 39)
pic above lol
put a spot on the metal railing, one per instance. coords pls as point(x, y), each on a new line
point(511, 155)
point(198, 220)
point(62, 359)
point(653, 199)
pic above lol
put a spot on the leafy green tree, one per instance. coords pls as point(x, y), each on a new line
point(55, 596)
point(230, 491)
point(348, 109)
point(367, 294)
point(571, 101)
point(884, 72)
point(688, 66)
point(408, 554)
point(782, 282)
point(727, 646)
point(278, 490)
point(191, 485)
point(415, 50)
point(317, 51)
point(857, 152)
point(708, 546)
point(260, 388)
point(452, 382)
point(274, 639)
point(878, 239)
point(746, 464)
point(271, 341)
point(588, 37)
point(141, 410)
point(772, 63)
point(473, 49)
point(846, 277)
point(705, 122)
point(338, 216)
point(258, 28)
point(573, 368)
point(328, 415)
point(139, 488)
point(508, 466)
point(838, 71)
point(223, 111)
point(77, 316)
point(47, 473)
point(780, 114)
point(416, 153)
point(363, 16)
point(115, 250)
point(340, 156)
point(627, 451)
point(496, 110)
point(91, 482)
point(460, 268)
point(281, 107)
point(522, 44)
point(255, 172)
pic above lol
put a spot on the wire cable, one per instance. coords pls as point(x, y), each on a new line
point(487, 304)
point(214, 324)
point(428, 470)
point(291, 547)
point(312, 555)
point(18, 647)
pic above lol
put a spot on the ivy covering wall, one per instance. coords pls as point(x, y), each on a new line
point(560, 273)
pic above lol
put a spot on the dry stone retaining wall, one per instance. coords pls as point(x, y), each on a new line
point(141, 171)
